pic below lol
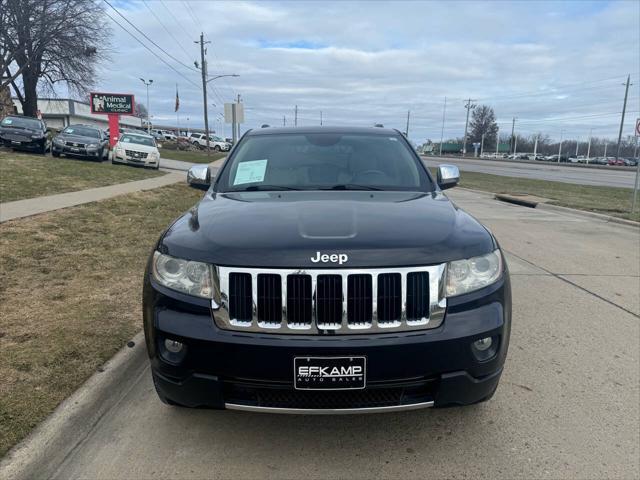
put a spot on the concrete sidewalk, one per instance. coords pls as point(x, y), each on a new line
point(34, 206)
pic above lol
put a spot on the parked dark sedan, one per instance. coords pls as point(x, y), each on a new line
point(84, 141)
point(24, 133)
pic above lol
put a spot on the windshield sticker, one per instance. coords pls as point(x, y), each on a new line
point(250, 172)
point(393, 139)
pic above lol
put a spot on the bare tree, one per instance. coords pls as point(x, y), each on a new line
point(47, 42)
point(483, 122)
point(140, 111)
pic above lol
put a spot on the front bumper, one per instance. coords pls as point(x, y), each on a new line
point(23, 143)
point(143, 162)
point(75, 151)
point(254, 371)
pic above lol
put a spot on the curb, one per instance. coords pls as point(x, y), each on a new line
point(571, 211)
point(42, 452)
point(585, 213)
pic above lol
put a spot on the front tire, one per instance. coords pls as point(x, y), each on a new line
point(216, 148)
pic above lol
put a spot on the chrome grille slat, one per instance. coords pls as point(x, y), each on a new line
point(349, 312)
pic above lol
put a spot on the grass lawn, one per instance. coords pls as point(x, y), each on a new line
point(193, 157)
point(607, 200)
point(28, 176)
point(70, 296)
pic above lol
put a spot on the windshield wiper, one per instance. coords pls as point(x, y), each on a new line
point(262, 187)
point(351, 186)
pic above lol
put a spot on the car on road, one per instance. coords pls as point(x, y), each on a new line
point(163, 135)
point(24, 133)
point(136, 149)
point(83, 141)
point(215, 143)
point(326, 271)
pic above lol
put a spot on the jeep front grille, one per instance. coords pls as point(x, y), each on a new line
point(330, 300)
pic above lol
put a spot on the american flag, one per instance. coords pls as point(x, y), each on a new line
point(177, 100)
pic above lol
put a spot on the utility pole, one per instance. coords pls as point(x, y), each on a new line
point(295, 117)
point(203, 70)
point(605, 149)
point(482, 146)
point(468, 106)
point(589, 145)
point(444, 112)
point(148, 121)
point(320, 117)
point(560, 147)
point(237, 119)
point(513, 129)
point(406, 132)
point(515, 146)
point(535, 148)
point(624, 109)
point(497, 142)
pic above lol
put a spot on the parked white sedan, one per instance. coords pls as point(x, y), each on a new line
point(137, 149)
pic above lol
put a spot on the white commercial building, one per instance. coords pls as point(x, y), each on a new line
point(60, 112)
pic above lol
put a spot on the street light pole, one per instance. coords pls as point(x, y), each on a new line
point(147, 85)
point(444, 112)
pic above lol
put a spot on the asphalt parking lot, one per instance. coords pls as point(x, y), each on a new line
point(607, 176)
point(567, 405)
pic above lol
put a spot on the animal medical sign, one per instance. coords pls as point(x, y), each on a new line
point(112, 103)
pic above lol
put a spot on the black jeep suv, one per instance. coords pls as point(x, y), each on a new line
point(24, 133)
point(324, 271)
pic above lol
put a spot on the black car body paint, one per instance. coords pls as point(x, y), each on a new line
point(375, 230)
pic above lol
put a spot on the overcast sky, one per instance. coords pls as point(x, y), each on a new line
point(553, 65)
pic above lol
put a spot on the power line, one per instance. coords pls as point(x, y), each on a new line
point(151, 51)
point(166, 29)
point(192, 15)
point(175, 19)
point(145, 36)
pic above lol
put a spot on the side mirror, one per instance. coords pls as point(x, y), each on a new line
point(448, 176)
point(199, 176)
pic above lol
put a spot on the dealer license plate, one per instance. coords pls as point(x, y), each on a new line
point(329, 373)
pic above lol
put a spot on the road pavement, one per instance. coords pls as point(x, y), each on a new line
point(541, 171)
point(567, 405)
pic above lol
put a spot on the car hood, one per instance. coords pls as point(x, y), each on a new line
point(136, 147)
point(287, 229)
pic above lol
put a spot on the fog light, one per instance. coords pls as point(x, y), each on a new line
point(176, 347)
point(485, 348)
point(480, 345)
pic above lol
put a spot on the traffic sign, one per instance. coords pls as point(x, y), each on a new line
point(112, 103)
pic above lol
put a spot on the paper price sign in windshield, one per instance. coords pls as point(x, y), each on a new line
point(250, 172)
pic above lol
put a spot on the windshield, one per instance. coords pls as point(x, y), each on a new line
point(82, 132)
point(324, 161)
point(138, 140)
point(22, 122)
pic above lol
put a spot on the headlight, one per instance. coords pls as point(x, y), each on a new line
point(37, 135)
point(154, 155)
point(192, 278)
point(92, 145)
point(464, 276)
point(58, 141)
